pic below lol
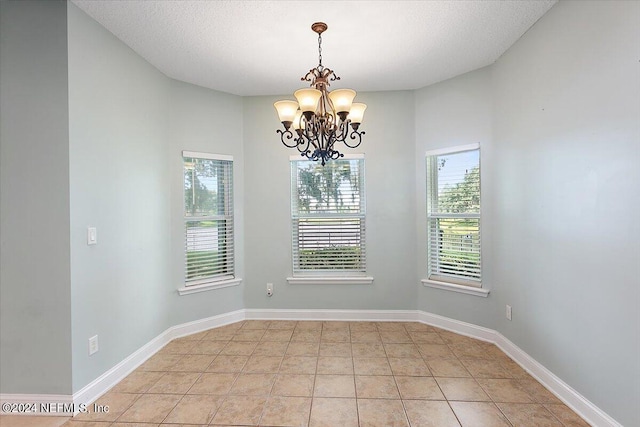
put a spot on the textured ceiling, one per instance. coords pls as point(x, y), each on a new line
point(264, 47)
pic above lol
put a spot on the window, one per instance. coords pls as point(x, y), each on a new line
point(208, 218)
point(328, 216)
point(453, 216)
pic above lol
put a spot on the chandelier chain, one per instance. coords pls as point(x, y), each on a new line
point(320, 50)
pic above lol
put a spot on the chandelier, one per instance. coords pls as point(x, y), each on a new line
point(320, 117)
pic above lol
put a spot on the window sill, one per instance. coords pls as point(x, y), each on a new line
point(186, 290)
point(330, 280)
point(470, 290)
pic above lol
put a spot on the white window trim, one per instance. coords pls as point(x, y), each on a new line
point(453, 150)
point(470, 290)
point(446, 286)
point(208, 156)
point(330, 280)
point(209, 286)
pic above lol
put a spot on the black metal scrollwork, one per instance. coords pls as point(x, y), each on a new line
point(288, 135)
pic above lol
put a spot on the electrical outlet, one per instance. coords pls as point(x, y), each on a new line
point(93, 345)
point(508, 312)
point(269, 289)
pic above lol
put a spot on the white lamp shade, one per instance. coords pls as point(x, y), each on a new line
point(356, 114)
point(286, 110)
point(308, 99)
point(342, 99)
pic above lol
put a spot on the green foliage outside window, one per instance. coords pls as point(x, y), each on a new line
point(323, 188)
point(329, 216)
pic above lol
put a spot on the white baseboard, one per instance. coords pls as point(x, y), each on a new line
point(207, 323)
point(113, 376)
point(37, 404)
point(574, 400)
point(457, 326)
point(350, 315)
point(563, 391)
point(106, 381)
point(88, 394)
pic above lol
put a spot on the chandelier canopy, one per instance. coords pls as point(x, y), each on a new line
point(320, 117)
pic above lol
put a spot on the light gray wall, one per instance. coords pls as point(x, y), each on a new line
point(128, 126)
point(449, 114)
point(211, 122)
point(35, 315)
point(390, 186)
point(566, 196)
point(120, 185)
point(558, 119)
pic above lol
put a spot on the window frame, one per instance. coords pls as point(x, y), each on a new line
point(228, 278)
point(434, 280)
point(333, 276)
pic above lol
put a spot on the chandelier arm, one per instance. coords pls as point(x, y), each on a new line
point(315, 155)
point(320, 140)
point(313, 134)
point(303, 145)
point(356, 136)
point(311, 76)
point(331, 140)
point(331, 76)
point(288, 135)
point(334, 116)
point(343, 131)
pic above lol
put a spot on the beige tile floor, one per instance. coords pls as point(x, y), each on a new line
point(28, 421)
point(337, 374)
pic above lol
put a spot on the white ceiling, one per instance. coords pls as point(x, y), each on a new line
point(264, 47)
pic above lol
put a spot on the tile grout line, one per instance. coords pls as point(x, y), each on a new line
point(445, 396)
point(404, 408)
point(457, 349)
point(237, 374)
point(276, 375)
point(191, 386)
point(355, 387)
point(455, 414)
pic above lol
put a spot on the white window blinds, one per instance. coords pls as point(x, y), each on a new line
point(328, 216)
point(208, 216)
point(453, 216)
